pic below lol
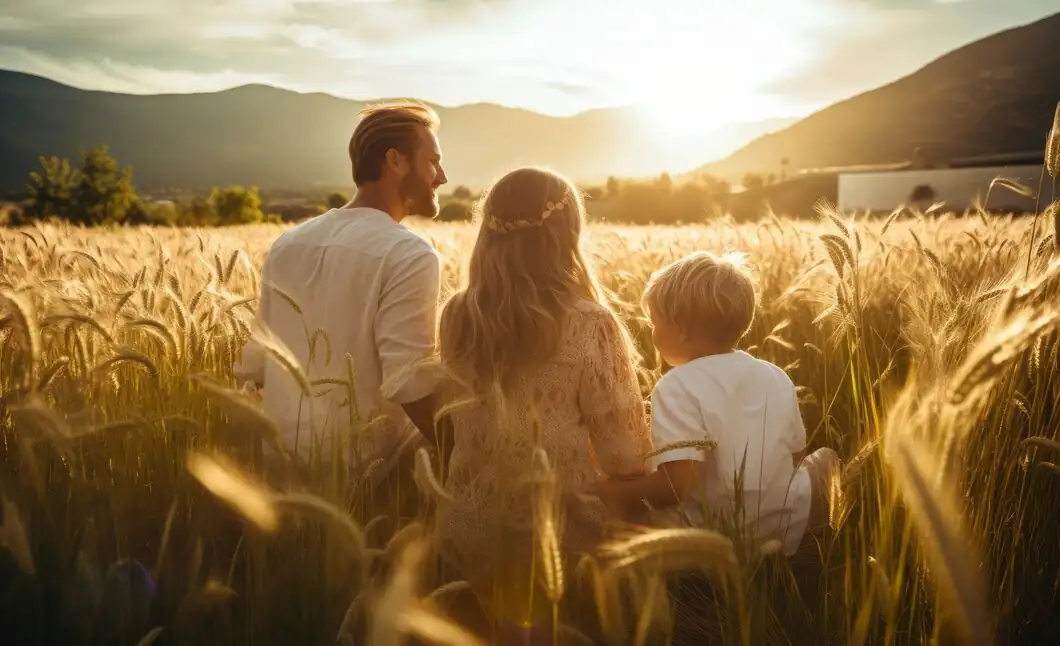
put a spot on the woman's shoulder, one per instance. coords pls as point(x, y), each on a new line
point(592, 320)
point(589, 308)
point(585, 314)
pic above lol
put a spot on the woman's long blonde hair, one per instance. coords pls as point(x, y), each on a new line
point(525, 271)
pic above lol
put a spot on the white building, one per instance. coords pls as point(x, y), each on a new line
point(957, 188)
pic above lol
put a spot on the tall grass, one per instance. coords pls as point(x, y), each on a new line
point(136, 505)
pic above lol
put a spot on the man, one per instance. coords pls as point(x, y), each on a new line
point(371, 287)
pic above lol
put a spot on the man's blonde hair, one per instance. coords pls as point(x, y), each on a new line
point(705, 295)
point(382, 127)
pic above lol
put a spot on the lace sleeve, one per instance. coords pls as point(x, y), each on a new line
point(610, 400)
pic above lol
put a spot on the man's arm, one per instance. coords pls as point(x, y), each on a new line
point(405, 335)
point(421, 412)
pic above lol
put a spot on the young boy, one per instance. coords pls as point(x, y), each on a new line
point(700, 307)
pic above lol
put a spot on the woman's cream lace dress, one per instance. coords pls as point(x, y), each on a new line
point(586, 407)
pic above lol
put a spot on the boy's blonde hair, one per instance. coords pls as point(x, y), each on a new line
point(705, 295)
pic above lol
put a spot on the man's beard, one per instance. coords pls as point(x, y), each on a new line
point(418, 196)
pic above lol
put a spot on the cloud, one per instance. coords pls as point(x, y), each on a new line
point(129, 78)
point(558, 56)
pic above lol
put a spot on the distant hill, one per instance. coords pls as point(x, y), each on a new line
point(996, 95)
point(274, 138)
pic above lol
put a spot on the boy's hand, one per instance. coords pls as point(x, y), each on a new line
point(610, 493)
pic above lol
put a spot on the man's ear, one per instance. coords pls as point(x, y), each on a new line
point(397, 162)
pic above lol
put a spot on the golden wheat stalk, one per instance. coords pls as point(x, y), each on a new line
point(1043, 442)
point(283, 355)
point(451, 588)
point(127, 355)
point(35, 416)
point(699, 445)
point(51, 372)
point(252, 499)
point(150, 637)
point(23, 313)
point(423, 624)
point(937, 524)
point(404, 537)
point(424, 477)
point(82, 319)
point(247, 409)
point(992, 356)
point(673, 549)
point(1051, 467)
point(548, 546)
point(1052, 147)
point(606, 599)
point(387, 625)
point(837, 252)
point(316, 507)
point(158, 329)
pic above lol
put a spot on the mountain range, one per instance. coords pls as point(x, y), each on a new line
point(996, 95)
point(270, 137)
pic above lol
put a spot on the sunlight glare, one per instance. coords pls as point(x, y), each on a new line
point(705, 66)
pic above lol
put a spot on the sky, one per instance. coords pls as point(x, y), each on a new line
point(725, 60)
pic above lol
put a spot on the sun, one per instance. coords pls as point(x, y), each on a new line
point(700, 67)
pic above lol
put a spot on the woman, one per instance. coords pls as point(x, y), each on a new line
point(543, 384)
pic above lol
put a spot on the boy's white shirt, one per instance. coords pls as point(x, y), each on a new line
point(744, 404)
point(372, 286)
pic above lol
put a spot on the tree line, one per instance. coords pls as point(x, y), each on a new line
point(98, 192)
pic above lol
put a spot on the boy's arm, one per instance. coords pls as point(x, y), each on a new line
point(671, 484)
point(676, 417)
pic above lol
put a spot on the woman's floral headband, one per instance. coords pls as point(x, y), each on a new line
point(497, 226)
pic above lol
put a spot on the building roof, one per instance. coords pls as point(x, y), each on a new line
point(1028, 158)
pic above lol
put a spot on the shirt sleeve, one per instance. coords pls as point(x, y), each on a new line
point(675, 417)
point(405, 324)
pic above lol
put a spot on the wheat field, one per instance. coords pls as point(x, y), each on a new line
point(135, 509)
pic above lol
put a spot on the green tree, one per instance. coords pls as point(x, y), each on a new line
point(104, 193)
point(164, 213)
point(753, 181)
point(236, 205)
point(462, 193)
point(139, 214)
point(50, 190)
point(197, 213)
point(455, 211)
point(337, 200)
point(96, 193)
